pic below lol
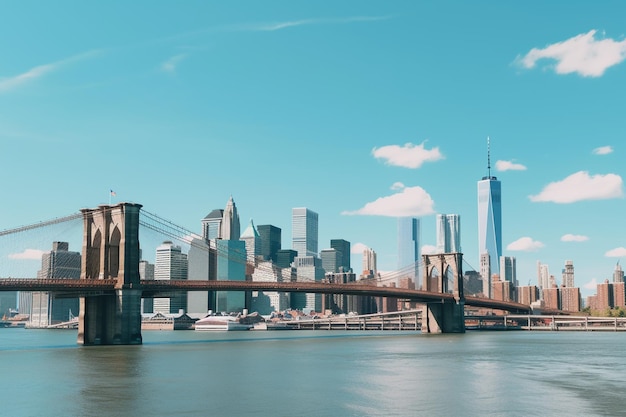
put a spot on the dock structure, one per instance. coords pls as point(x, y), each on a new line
point(545, 323)
point(399, 320)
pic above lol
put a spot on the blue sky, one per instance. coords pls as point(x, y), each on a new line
point(358, 110)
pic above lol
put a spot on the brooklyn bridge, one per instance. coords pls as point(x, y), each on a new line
point(110, 288)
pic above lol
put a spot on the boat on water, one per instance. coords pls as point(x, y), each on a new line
point(14, 319)
point(221, 323)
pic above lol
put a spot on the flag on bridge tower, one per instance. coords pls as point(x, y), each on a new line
point(113, 193)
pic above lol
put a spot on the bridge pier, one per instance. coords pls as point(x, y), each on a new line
point(111, 251)
point(443, 318)
point(446, 316)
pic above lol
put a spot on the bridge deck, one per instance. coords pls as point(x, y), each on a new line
point(153, 288)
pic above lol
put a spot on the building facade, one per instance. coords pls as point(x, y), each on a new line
point(343, 247)
point(170, 264)
point(508, 269)
point(308, 269)
point(331, 260)
point(618, 273)
point(485, 274)
point(568, 274)
point(408, 247)
point(45, 309)
point(252, 240)
point(270, 241)
point(304, 231)
point(370, 269)
point(212, 224)
point(490, 217)
point(570, 298)
point(448, 233)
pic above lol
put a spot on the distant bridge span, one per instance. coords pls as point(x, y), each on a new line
point(158, 288)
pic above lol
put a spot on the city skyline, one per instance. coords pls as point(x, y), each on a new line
point(363, 112)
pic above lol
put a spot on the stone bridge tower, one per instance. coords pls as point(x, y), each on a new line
point(444, 317)
point(111, 252)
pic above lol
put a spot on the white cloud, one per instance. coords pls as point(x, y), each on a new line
point(591, 285)
point(509, 166)
point(616, 253)
point(603, 150)
point(397, 186)
point(407, 156)
point(172, 63)
point(27, 254)
point(10, 83)
point(411, 201)
point(581, 186)
point(428, 249)
point(582, 54)
point(573, 238)
point(525, 244)
point(358, 248)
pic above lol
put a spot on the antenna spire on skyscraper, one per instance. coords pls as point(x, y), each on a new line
point(488, 157)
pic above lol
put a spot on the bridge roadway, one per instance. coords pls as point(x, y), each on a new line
point(158, 288)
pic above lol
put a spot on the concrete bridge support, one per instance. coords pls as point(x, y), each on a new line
point(111, 251)
point(446, 316)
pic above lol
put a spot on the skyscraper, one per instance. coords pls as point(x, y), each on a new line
point(170, 264)
point(253, 242)
point(342, 246)
point(212, 224)
point(508, 269)
point(369, 263)
point(58, 263)
point(408, 246)
point(618, 273)
point(270, 241)
point(448, 233)
point(568, 274)
point(304, 231)
point(543, 277)
point(485, 273)
point(490, 217)
point(231, 260)
point(330, 260)
point(230, 222)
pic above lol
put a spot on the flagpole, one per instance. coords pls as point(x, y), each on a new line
point(110, 197)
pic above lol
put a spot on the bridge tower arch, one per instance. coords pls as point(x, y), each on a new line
point(111, 252)
point(444, 316)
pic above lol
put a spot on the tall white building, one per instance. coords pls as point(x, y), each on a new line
point(304, 231)
point(230, 222)
point(543, 277)
point(369, 262)
point(618, 273)
point(490, 217)
point(448, 233)
point(568, 274)
point(253, 242)
point(170, 264)
point(485, 273)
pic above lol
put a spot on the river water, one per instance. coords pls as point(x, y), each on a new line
point(315, 373)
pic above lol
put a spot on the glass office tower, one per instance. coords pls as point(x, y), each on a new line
point(408, 246)
point(304, 231)
point(490, 218)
